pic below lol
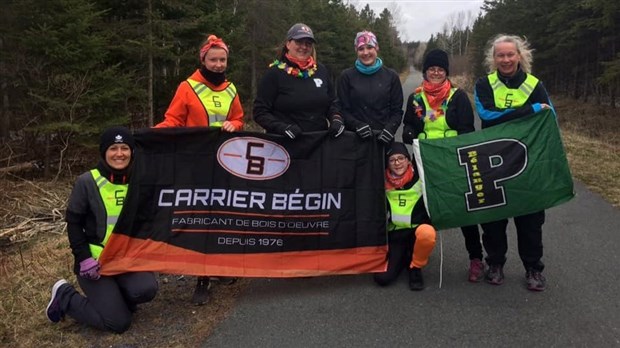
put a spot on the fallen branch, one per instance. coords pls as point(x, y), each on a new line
point(20, 167)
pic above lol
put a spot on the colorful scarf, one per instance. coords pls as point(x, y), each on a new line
point(393, 182)
point(436, 93)
point(302, 64)
point(368, 69)
point(310, 65)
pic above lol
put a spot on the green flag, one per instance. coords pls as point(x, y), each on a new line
point(511, 169)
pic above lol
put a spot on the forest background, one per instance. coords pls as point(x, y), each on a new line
point(71, 68)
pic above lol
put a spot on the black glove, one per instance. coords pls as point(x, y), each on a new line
point(386, 137)
point(408, 135)
point(336, 127)
point(364, 131)
point(292, 131)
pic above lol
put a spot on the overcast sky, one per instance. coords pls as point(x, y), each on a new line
point(422, 18)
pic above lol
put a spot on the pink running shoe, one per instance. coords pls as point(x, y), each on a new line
point(476, 270)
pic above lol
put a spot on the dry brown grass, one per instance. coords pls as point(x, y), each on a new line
point(592, 141)
point(38, 252)
point(35, 252)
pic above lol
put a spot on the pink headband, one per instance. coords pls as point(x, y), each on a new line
point(212, 41)
point(365, 38)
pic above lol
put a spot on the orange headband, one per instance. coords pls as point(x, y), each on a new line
point(212, 41)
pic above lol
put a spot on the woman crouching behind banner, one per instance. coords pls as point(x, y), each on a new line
point(207, 99)
point(411, 238)
point(94, 205)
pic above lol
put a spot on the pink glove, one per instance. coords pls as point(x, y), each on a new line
point(89, 269)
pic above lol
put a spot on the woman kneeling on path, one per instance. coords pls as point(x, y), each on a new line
point(409, 228)
point(94, 206)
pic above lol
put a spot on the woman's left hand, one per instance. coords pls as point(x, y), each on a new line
point(228, 126)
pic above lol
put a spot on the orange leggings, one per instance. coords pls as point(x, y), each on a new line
point(425, 236)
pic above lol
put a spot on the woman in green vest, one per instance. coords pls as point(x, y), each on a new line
point(94, 206)
point(411, 238)
point(509, 92)
point(438, 109)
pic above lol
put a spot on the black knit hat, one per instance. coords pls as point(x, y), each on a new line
point(115, 135)
point(398, 148)
point(436, 57)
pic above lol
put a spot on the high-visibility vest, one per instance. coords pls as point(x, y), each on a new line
point(510, 98)
point(435, 125)
point(217, 104)
point(113, 197)
point(401, 204)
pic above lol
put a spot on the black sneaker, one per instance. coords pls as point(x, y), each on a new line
point(202, 291)
point(53, 311)
point(416, 281)
point(535, 280)
point(495, 275)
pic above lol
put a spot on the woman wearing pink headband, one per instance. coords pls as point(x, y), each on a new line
point(370, 96)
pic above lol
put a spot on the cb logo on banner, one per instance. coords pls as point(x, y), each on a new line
point(253, 158)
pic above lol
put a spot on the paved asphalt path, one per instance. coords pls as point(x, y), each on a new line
point(580, 308)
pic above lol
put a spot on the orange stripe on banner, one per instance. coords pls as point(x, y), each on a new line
point(126, 254)
point(300, 234)
point(221, 212)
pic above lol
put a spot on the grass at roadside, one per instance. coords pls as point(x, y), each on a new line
point(27, 271)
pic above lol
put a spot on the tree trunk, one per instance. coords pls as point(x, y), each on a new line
point(46, 160)
point(5, 120)
point(151, 79)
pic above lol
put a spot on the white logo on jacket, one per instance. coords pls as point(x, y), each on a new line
point(318, 82)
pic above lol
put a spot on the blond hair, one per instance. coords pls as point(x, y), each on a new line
point(523, 48)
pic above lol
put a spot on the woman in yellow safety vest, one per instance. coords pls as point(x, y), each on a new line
point(207, 99)
point(95, 203)
point(438, 109)
point(510, 91)
point(411, 238)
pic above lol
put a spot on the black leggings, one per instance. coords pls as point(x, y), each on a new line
point(529, 237)
point(108, 301)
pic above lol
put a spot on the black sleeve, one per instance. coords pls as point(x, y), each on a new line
point(76, 215)
point(344, 102)
point(460, 115)
point(263, 104)
point(396, 103)
point(411, 119)
point(334, 108)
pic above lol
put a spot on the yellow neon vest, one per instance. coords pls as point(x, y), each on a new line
point(113, 197)
point(510, 98)
point(216, 103)
point(401, 204)
point(437, 128)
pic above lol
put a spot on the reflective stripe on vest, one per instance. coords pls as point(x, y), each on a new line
point(401, 204)
point(437, 127)
point(510, 98)
point(216, 103)
point(113, 197)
